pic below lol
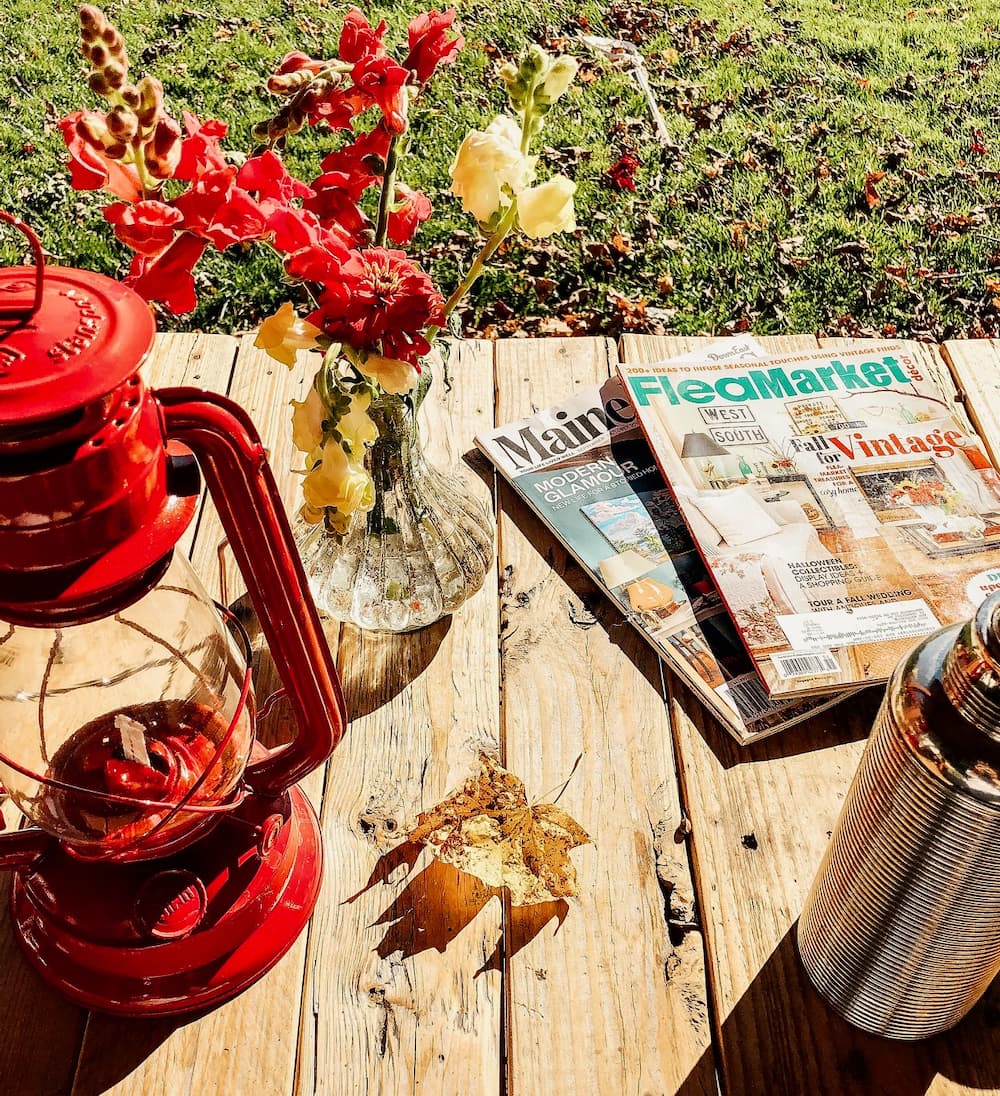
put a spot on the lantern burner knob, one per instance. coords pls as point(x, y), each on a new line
point(170, 905)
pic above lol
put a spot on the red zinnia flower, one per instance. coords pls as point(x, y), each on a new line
point(429, 45)
point(390, 304)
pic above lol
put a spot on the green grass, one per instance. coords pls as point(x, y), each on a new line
point(754, 217)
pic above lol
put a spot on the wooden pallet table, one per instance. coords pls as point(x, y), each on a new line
point(422, 980)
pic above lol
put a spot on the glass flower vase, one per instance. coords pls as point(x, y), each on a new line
point(423, 548)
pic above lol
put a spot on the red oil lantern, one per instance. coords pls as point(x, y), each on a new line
point(171, 860)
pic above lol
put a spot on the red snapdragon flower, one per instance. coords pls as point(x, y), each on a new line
point(293, 229)
point(359, 39)
point(429, 44)
point(412, 208)
point(267, 177)
point(215, 208)
point(167, 277)
point(146, 227)
point(362, 159)
point(384, 82)
point(201, 150)
point(388, 305)
point(296, 61)
point(321, 261)
point(90, 168)
point(334, 201)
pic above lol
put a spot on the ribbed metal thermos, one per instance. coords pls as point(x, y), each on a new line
point(901, 930)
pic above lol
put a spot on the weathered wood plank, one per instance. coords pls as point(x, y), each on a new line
point(604, 1001)
point(974, 365)
point(761, 818)
point(395, 1001)
point(218, 1053)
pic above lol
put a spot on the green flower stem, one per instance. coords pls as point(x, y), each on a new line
point(479, 263)
point(388, 194)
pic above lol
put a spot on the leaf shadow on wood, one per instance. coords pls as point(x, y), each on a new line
point(762, 1037)
point(440, 901)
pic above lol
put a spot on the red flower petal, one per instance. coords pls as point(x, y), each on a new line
point(412, 209)
point(168, 278)
point(430, 45)
point(146, 227)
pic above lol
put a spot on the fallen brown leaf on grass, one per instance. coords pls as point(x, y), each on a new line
point(488, 829)
point(872, 196)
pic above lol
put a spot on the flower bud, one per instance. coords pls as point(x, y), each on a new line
point(130, 96)
point(116, 151)
point(150, 100)
point(97, 55)
point(97, 83)
point(162, 153)
point(289, 82)
point(561, 73)
point(536, 60)
point(122, 123)
point(91, 18)
point(114, 74)
point(94, 132)
point(517, 87)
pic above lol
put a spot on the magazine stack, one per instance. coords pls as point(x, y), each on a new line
point(781, 529)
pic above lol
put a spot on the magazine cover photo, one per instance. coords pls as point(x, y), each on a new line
point(841, 507)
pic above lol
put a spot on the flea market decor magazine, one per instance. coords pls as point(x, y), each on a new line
point(840, 500)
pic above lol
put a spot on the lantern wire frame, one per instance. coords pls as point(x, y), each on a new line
point(184, 803)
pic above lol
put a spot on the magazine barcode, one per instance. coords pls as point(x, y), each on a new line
point(750, 696)
point(804, 663)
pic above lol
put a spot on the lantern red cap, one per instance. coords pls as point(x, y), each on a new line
point(89, 507)
point(87, 336)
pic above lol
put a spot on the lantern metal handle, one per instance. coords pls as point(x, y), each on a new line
point(19, 312)
point(234, 464)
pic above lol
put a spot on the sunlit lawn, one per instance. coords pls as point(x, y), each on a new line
point(827, 167)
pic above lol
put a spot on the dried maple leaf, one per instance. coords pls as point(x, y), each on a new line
point(488, 829)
